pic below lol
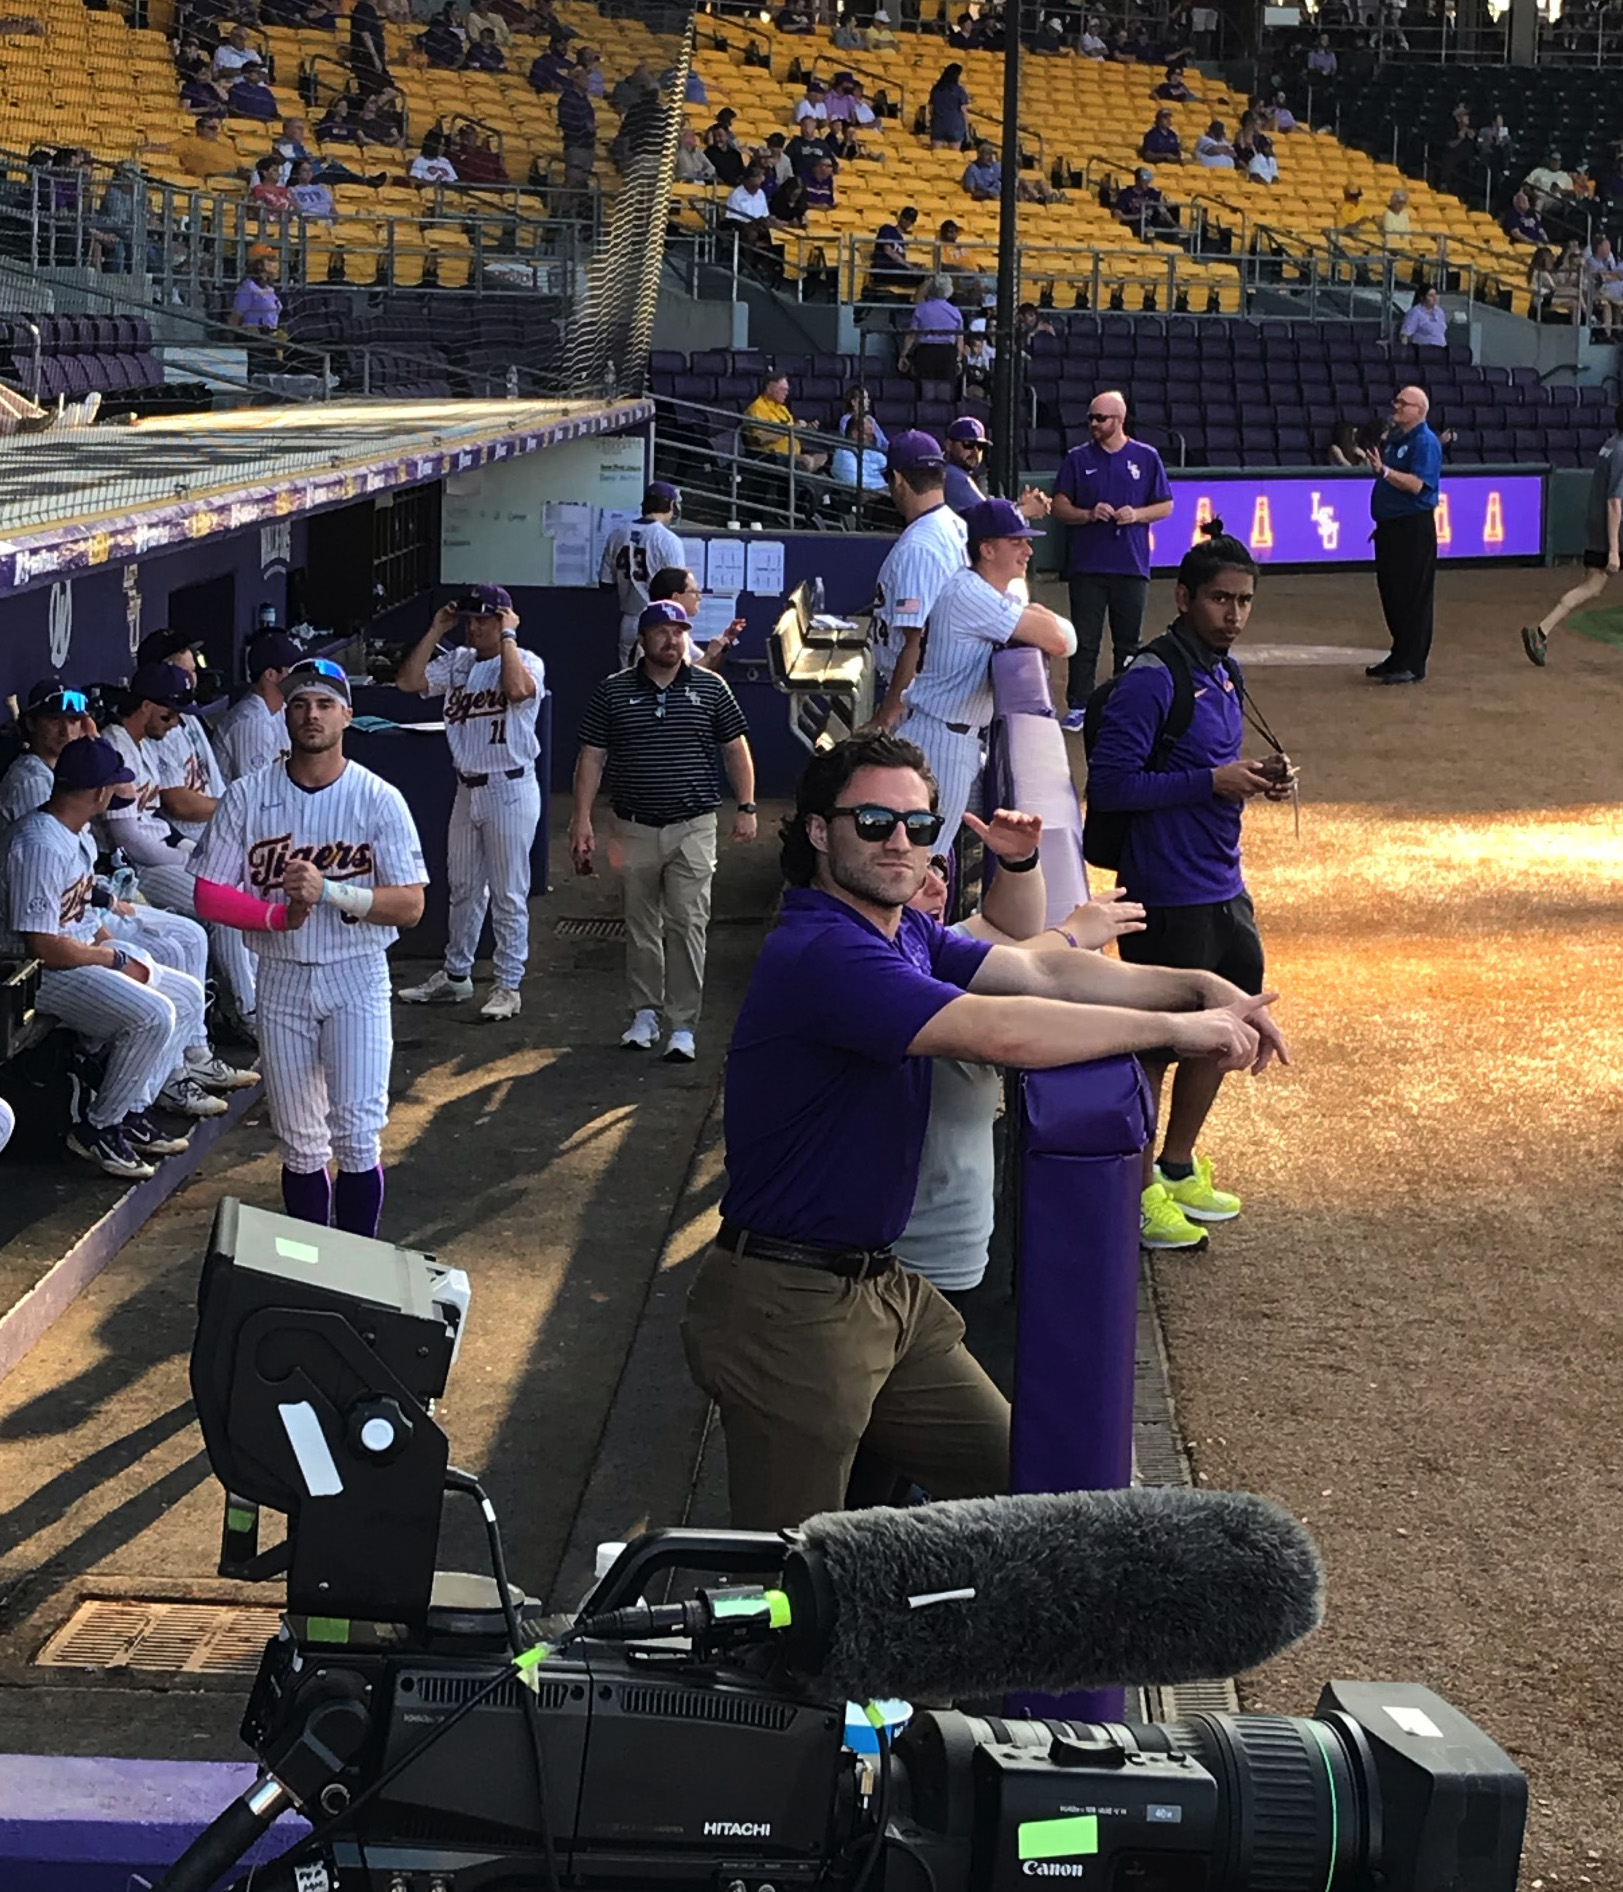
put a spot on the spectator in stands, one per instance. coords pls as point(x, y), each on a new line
point(847, 35)
point(256, 307)
point(808, 142)
point(933, 346)
point(1395, 218)
point(291, 146)
point(638, 84)
point(725, 120)
point(313, 201)
point(202, 94)
point(337, 127)
point(1125, 50)
point(268, 192)
point(1212, 148)
point(478, 160)
point(1321, 60)
point(773, 436)
point(205, 153)
point(233, 53)
point(1161, 143)
point(1548, 184)
point(484, 55)
point(747, 205)
point(880, 37)
point(1604, 274)
point(845, 102)
point(864, 464)
point(367, 51)
point(441, 44)
point(1049, 38)
point(1092, 45)
point(431, 165)
point(788, 202)
point(1572, 279)
point(577, 121)
point(819, 187)
point(775, 160)
point(948, 110)
point(1284, 119)
point(983, 177)
point(980, 361)
point(550, 71)
point(1343, 449)
point(692, 166)
point(1425, 324)
point(1547, 298)
point(812, 107)
point(1142, 207)
point(1264, 166)
point(598, 86)
point(858, 407)
point(1521, 221)
point(381, 119)
point(1493, 142)
point(1030, 321)
point(482, 20)
point(889, 272)
point(795, 16)
point(725, 159)
point(1173, 86)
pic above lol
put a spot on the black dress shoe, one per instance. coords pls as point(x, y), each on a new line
point(1400, 676)
point(1382, 669)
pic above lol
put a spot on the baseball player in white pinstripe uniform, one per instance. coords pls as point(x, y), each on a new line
point(924, 557)
point(979, 610)
point(633, 553)
point(318, 860)
point(147, 829)
point(109, 992)
point(492, 689)
point(252, 732)
point(55, 715)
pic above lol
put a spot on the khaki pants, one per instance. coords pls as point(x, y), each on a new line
point(805, 1366)
point(668, 874)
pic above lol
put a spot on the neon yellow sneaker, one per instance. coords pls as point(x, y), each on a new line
point(1196, 1196)
point(1162, 1224)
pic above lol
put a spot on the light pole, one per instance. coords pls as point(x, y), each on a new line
point(1006, 369)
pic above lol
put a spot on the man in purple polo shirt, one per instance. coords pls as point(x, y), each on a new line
point(800, 1325)
point(1109, 491)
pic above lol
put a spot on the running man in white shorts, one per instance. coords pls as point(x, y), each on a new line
point(492, 689)
point(318, 861)
point(633, 553)
point(252, 733)
point(107, 991)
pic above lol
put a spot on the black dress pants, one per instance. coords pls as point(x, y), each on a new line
point(1406, 576)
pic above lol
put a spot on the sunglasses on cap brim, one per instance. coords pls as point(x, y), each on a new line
point(875, 823)
point(61, 703)
point(316, 670)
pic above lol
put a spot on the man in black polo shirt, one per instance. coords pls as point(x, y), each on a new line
point(659, 730)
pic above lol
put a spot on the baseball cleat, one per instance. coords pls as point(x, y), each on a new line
point(186, 1095)
point(642, 1034)
point(1162, 1224)
point(442, 989)
point(1199, 1201)
point(504, 1002)
point(1536, 643)
point(109, 1150)
point(679, 1048)
point(1071, 722)
point(216, 1075)
point(146, 1139)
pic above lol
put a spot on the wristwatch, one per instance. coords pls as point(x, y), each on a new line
point(746, 808)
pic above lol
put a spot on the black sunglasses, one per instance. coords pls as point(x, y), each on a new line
point(874, 823)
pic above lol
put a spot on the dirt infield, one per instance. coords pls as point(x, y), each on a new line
point(1413, 1335)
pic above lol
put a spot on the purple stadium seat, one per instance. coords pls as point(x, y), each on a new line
point(736, 389)
point(696, 387)
point(710, 361)
point(53, 379)
point(667, 361)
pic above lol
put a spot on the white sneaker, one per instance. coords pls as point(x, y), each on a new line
point(504, 1002)
point(679, 1048)
point(216, 1075)
point(187, 1096)
point(643, 1031)
point(442, 989)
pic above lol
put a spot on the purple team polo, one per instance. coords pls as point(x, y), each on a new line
point(1134, 476)
point(826, 1112)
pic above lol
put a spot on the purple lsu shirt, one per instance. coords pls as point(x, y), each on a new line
point(825, 1111)
point(1133, 476)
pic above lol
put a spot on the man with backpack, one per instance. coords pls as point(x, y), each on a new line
point(1166, 789)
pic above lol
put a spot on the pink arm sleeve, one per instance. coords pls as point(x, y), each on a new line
point(227, 907)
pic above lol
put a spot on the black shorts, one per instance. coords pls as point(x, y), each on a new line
point(1222, 938)
point(1595, 561)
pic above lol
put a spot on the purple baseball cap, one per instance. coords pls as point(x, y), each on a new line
point(483, 601)
point(91, 762)
point(911, 449)
point(660, 495)
point(160, 646)
point(969, 429)
point(273, 650)
point(162, 683)
point(998, 519)
point(666, 611)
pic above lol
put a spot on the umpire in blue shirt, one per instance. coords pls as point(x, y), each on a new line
point(1404, 506)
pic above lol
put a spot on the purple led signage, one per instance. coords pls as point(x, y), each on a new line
point(1318, 520)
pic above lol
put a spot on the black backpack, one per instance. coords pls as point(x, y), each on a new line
point(1104, 831)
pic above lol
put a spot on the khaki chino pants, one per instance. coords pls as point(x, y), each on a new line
point(805, 1366)
point(668, 874)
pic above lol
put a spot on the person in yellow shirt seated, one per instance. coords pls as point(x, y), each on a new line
point(203, 153)
point(1395, 219)
point(771, 406)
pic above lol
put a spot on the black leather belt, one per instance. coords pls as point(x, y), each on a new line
point(662, 821)
point(969, 729)
point(478, 781)
point(855, 1264)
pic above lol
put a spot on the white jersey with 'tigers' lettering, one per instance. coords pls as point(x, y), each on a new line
point(357, 830)
point(632, 554)
point(47, 876)
point(488, 735)
point(186, 760)
point(921, 561)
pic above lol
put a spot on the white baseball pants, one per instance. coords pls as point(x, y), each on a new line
point(172, 888)
point(956, 762)
point(326, 1038)
point(145, 1027)
point(488, 865)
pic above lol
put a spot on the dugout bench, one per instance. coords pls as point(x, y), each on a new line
point(824, 666)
